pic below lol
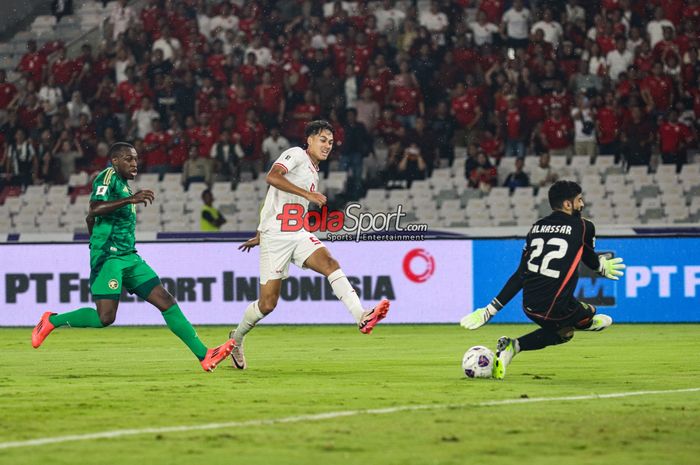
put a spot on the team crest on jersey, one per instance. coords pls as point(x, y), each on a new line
point(126, 189)
point(113, 284)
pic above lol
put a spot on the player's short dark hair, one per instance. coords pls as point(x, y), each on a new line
point(316, 127)
point(119, 148)
point(561, 191)
point(206, 192)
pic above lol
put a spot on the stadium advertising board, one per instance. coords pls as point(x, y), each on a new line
point(426, 281)
point(661, 282)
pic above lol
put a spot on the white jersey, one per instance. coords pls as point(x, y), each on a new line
point(300, 171)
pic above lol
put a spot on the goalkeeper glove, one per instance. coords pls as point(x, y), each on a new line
point(478, 317)
point(611, 268)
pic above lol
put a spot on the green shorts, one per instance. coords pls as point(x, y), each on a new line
point(108, 273)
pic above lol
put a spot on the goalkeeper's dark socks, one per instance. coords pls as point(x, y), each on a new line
point(178, 324)
point(539, 339)
point(81, 318)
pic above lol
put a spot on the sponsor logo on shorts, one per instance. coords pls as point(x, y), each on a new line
point(351, 223)
point(113, 284)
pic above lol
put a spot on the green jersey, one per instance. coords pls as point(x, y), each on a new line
point(113, 234)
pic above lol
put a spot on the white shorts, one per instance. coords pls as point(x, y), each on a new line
point(278, 250)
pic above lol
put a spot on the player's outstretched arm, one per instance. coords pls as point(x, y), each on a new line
point(276, 178)
point(99, 208)
point(250, 243)
point(481, 316)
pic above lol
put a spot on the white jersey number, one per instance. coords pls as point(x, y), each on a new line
point(538, 243)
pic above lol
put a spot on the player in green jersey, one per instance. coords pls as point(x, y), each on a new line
point(114, 263)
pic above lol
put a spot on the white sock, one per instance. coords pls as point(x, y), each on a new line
point(346, 293)
point(251, 316)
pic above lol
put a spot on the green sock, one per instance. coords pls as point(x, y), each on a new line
point(178, 324)
point(85, 317)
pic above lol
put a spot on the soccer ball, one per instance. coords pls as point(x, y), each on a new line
point(478, 362)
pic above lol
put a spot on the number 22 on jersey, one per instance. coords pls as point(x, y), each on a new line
point(544, 267)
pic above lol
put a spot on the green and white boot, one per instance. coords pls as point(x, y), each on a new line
point(599, 323)
point(505, 351)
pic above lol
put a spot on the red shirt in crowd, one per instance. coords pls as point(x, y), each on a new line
point(157, 148)
point(513, 123)
point(206, 136)
point(660, 89)
point(406, 100)
point(673, 136)
point(388, 130)
point(7, 93)
point(269, 98)
point(608, 125)
point(464, 109)
point(557, 133)
point(32, 64)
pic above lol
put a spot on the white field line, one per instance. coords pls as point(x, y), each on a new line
point(323, 416)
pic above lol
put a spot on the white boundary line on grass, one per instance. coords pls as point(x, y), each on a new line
point(323, 416)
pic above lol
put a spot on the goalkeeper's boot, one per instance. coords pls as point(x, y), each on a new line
point(599, 322)
point(217, 355)
point(505, 351)
point(237, 356)
point(370, 318)
point(42, 329)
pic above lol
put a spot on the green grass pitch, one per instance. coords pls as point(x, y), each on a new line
point(91, 381)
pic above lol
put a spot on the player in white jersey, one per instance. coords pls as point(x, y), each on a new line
point(293, 181)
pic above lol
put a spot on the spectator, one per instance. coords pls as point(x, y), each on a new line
point(637, 137)
point(50, 97)
point(515, 143)
point(168, 45)
point(156, 148)
point(121, 18)
point(674, 138)
point(32, 64)
point(210, 219)
point(435, 21)
point(21, 162)
point(655, 27)
point(483, 175)
point(552, 29)
point(482, 30)
point(8, 93)
point(543, 175)
point(65, 154)
point(412, 166)
point(555, 133)
point(619, 59)
point(142, 119)
point(517, 178)
point(515, 25)
point(442, 125)
point(368, 110)
point(196, 168)
point(273, 146)
point(61, 8)
point(607, 127)
point(388, 12)
point(226, 156)
point(584, 128)
point(356, 146)
point(249, 136)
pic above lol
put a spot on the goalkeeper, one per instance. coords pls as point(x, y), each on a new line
point(547, 274)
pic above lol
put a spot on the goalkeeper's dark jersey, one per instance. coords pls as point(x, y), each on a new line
point(555, 246)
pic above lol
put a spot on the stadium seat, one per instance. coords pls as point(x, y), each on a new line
point(450, 205)
point(649, 203)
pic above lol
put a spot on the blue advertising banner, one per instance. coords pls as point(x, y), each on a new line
point(661, 282)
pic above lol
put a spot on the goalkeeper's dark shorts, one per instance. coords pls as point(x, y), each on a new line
point(572, 314)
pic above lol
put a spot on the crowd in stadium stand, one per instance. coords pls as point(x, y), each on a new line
point(214, 89)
